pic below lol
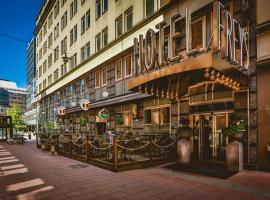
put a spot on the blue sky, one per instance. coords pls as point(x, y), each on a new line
point(17, 18)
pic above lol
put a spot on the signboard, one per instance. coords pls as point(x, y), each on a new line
point(227, 38)
point(61, 110)
point(104, 113)
point(85, 104)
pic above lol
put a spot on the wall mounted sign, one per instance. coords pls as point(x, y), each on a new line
point(60, 120)
point(61, 110)
point(104, 113)
point(105, 94)
point(85, 104)
point(227, 39)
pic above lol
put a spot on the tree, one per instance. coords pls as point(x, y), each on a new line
point(15, 112)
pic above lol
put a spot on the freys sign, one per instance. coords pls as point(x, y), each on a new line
point(228, 39)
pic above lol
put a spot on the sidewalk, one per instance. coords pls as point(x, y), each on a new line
point(28, 173)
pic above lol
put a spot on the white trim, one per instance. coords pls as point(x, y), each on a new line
point(121, 60)
point(96, 87)
point(125, 64)
point(104, 68)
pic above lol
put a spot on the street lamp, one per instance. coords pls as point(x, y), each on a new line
point(65, 58)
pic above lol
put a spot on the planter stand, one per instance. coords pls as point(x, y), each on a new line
point(43, 147)
point(184, 151)
point(234, 156)
point(53, 149)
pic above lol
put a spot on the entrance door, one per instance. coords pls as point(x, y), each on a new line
point(212, 142)
point(3, 134)
point(101, 128)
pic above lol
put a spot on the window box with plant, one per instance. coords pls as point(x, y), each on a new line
point(184, 130)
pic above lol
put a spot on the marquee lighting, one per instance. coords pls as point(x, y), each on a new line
point(222, 79)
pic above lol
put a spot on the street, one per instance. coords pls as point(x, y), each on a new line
point(28, 173)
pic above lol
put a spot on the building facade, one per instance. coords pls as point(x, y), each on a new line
point(31, 113)
point(12, 95)
point(143, 66)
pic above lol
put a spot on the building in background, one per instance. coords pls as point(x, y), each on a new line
point(11, 94)
point(107, 63)
point(31, 113)
point(263, 81)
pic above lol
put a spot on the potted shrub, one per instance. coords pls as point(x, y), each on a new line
point(43, 139)
point(53, 141)
point(236, 128)
point(184, 131)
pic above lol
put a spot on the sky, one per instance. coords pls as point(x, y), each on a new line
point(17, 19)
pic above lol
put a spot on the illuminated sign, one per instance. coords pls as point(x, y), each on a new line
point(104, 113)
point(61, 110)
point(228, 39)
point(85, 104)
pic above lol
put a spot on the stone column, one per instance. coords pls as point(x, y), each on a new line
point(184, 151)
point(234, 156)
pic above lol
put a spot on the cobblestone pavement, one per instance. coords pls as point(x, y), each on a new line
point(28, 173)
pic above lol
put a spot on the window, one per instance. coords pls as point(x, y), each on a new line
point(40, 53)
point(63, 69)
point(56, 9)
point(40, 87)
point(128, 66)
point(45, 29)
point(64, 21)
point(157, 116)
point(118, 26)
point(73, 61)
point(63, 45)
point(82, 86)
point(83, 24)
point(71, 37)
point(98, 42)
point(44, 84)
point(71, 10)
point(82, 54)
point(75, 33)
point(44, 66)
point(129, 19)
point(50, 79)
point(50, 19)
point(39, 71)
point(104, 76)
point(44, 47)
point(56, 53)
point(197, 32)
point(40, 37)
point(55, 75)
point(105, 36)
point(50, 40)
point(56, 31)
point(118, 70)
point(105, 5)
point(50, 61)
point(88, 53)
point(98, 8)
point(82, 2)
point(149, 7)
point(87, 19)
point(97, 79)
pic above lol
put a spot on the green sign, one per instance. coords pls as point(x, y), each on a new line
point(104, 114)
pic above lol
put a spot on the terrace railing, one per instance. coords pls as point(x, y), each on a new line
point(119, 152)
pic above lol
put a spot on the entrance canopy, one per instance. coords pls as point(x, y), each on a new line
point(173, 81)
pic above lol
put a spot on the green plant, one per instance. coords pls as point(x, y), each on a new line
point(184, 124)
point(236, 124)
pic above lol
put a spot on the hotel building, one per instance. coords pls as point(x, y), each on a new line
point(142, 66)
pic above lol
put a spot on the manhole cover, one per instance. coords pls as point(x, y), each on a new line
point(78, 166)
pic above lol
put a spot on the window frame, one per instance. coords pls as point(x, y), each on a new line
point(127, 12)
point(117, 20)
point(125, 58)
point(97, 72)
point(102, 76)
point(121, 68)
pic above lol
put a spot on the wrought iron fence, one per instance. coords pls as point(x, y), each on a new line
point(118, 152)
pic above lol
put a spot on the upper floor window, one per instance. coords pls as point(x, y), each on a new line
point(64, 45)
point(56, 75)
point(45, 29)
point(118, 26)
point(98, 8)
point(50, 19)
point(82, 2)
point(44, 47)
point(64, 21)
point(83, 24)
point(98, 42)
point(73, 62)
point(105, 5)
point(97, 79)
point(118, 70)
point(198, 30)
point(149, 7)
point(56, 53)
point(105, 36)
point(73, 8)
point(82, 86)
point(88, 52)
point(63, 2)
point(44, 66)
point(83, 54)
point(128, 66)
point(104, 76)
point(56, 9)
point(50, 40)
point(56, 31)
point(63, 69)
point(87, 19)
point(50, 60)
point(50, 79)
point(129, 19)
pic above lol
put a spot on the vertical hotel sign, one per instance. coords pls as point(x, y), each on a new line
point(229, 40)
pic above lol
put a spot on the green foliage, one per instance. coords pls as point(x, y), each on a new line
point(15, 112)
point(236, 124)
